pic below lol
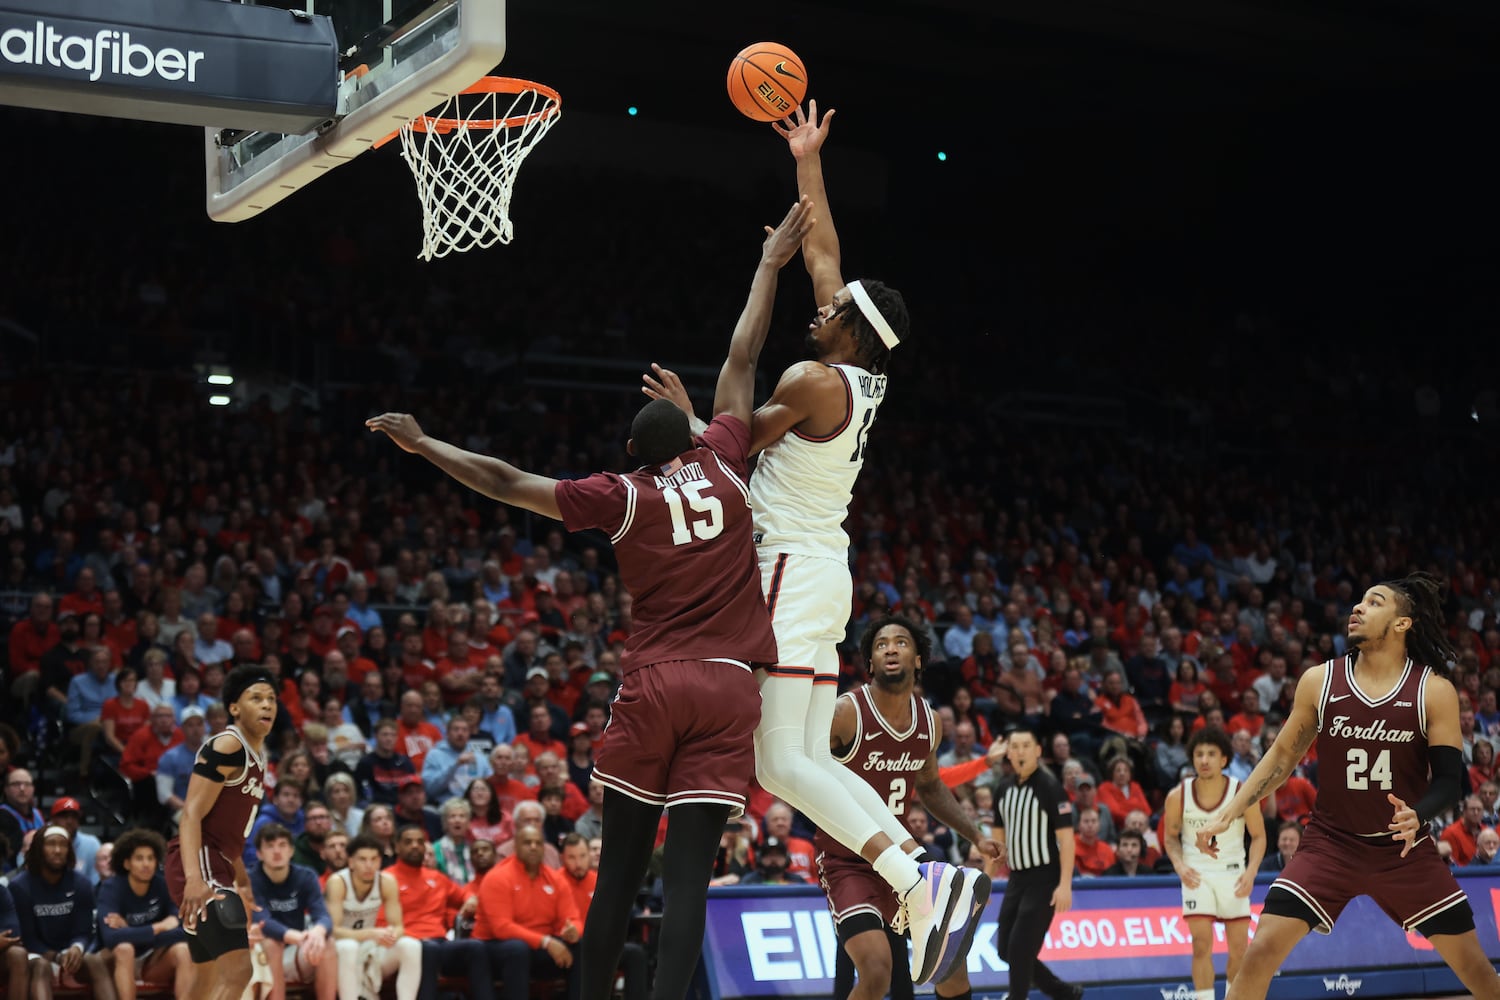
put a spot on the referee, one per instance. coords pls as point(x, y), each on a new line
point(1034, 822)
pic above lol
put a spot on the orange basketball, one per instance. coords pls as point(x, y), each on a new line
point(767, 81)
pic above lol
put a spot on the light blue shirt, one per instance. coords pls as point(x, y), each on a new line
point(176, 765)
point(501, 724)
point(445, 777)
point(86, 697)
point(366, 617)
point(958, 642)
point(86, 848)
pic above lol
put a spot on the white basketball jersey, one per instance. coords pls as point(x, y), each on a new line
point(359, 914)
point(802, 486)
point(1197, 815)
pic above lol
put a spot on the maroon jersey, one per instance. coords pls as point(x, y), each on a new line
point(1369, 748)
point(681, 533)
point(888, 760)
point(228, 822)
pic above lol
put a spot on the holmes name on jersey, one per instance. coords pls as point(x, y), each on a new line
point(1377, 732)
point(905, 762)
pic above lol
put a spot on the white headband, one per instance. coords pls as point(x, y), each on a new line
point(867, 307)
point(56, 831)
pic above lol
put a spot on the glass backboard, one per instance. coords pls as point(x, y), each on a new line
point(397, 59)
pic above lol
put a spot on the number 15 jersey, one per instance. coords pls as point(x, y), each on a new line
point(1370, 747)
point(681, 534)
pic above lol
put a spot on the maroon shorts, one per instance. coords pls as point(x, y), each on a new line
point(682, 731)
point(854, 888)
point(1332, 867)
point(218, 871)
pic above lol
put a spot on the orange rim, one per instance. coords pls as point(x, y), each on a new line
point(488, 85)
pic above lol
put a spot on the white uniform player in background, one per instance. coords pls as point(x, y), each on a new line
point(367, 954)
point(811, 436)
point(1214, 889)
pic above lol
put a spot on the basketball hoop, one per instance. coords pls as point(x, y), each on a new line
point(465, 157)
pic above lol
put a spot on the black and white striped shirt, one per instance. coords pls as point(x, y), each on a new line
point(1031, 812)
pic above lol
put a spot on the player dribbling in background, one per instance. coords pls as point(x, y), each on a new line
point(1215, 889)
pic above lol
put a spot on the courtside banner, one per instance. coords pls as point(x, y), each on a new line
point(780, 942)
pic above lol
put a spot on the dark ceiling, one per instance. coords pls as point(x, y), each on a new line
point(1023, 60)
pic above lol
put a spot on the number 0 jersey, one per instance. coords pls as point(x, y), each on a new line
point(802, 485)
point(1370, 747)
point(888, 760)
point(681, 534)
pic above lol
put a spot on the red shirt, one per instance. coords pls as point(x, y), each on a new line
point(1120, 803)
point(429, 901)
point(1295, 799)
point(509, 791)
point(514, 905)
point(417, 740)
point(1250, 723)
point(574, 804)
point(681, 534)
point(1462, 842)
point(143, 752)
point(583, 893)
point(127, 720)
point(27, 645)
point(1092, 859)
point(80, 605)
point(799, 856)
point(538, 747)
point(459, 669)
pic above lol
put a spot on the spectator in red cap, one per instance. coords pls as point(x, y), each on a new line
point(580, 758)
point(412, 807)
point(360, 666)
point(68, 813)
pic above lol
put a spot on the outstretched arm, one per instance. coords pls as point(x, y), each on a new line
point(735, 393)
point(495, 479)
point(805, 136)
point(1276, 766)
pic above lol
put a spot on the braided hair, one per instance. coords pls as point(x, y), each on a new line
point(874, 355)
point(1420, 596)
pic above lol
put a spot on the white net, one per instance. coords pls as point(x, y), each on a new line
point(465, 157)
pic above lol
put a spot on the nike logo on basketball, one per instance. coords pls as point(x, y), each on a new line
point(1336, 697)
point(781, 68)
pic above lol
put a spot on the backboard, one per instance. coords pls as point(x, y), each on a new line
point(397, 59)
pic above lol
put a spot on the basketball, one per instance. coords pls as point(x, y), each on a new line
point(767, 81)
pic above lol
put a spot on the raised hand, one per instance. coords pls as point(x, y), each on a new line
point(783, 242)
point(1404, 824)
point(401, 428)
point(804, 134)
point(666, 385)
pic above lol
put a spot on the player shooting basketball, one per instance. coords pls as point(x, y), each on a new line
point(680, 734)
point(812, 435)
point(1383, 716)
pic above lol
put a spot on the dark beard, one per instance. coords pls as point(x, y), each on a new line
point(890, 682)
point(810, 344)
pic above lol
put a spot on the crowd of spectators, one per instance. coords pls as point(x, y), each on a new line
point(447, 663)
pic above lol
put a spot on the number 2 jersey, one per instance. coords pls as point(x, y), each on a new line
point(1370, 747)
point(888, 760)
point(681, 534)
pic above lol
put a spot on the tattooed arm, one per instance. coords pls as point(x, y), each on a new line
point(1276, 766)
